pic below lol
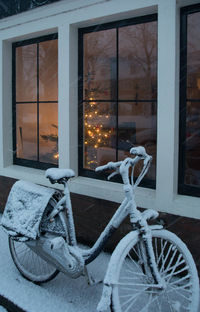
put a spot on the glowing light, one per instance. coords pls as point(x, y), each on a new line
point(96, 134)
point(56, 156)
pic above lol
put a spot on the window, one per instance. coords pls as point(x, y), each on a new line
point(189, 150)
point(117, 92)
point(35, 102)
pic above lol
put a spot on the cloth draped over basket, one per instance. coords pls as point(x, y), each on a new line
point(24, 210)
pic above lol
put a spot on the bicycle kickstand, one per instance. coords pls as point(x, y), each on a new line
point(91, 281)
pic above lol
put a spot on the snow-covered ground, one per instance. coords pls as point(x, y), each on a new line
point(60, 294)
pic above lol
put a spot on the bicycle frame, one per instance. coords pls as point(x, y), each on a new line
point(89, 255)
point(127, 208)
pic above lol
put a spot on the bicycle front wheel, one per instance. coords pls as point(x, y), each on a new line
point(136, 291)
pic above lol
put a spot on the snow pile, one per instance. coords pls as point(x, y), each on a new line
point(24, 209)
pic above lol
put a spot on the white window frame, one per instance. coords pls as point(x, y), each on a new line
point(65, 17)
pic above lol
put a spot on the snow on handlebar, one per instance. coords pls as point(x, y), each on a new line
point(109, 166)
point(118, 167)
point(138, 151)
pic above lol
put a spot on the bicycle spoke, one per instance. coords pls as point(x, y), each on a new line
point(32, 266)
point(133, 297)
point(179, 293)
point(166, 257)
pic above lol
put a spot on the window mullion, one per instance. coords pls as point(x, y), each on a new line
point(38, 146)
point(117, 89)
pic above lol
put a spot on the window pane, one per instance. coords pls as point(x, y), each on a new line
point(99, 65)
point(26, 73)
point(137, 126)
point(99, 134)
point(48, 70)
point(193, 56)
point(120, 67)
point(138, 62)
point(26, 131)
point(48, 135)
point(192, 144)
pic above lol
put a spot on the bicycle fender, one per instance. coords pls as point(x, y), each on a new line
point(109, 279)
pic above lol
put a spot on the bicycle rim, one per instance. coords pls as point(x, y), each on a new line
point(29, 264)
point(135, 291)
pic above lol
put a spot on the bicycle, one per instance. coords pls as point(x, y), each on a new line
point(151, 269)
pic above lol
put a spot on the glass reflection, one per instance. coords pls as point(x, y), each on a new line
point(99, 134)
point(193, 56)
point(26, 73)
point(48, 125)
point(99, 65)
point(138, 62)
point(48, 70)
point(36, 80)
point(137, 125)
point(192, 144)
point(26, 131)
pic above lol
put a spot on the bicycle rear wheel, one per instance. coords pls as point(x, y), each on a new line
point(29, 264)
point(135, 291)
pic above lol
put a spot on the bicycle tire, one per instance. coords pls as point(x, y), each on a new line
point(29, 264)
point(134, 291)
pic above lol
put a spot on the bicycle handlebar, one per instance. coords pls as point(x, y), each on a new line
point(140, 153)
point(109, 166)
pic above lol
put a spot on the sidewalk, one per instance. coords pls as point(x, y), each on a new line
point(62, 294)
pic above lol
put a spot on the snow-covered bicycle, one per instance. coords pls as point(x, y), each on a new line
point(151, 269)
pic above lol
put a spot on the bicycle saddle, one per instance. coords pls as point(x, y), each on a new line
point(57, 175)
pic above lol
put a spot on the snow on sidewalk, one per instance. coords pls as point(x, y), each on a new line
point(62, 294)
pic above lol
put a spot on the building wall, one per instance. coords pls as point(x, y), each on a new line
point(91, 215)
point(65, 17)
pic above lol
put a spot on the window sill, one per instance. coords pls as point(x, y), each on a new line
point(111, 191)
point(25, 173)
point(85, 186)
point(145, 197)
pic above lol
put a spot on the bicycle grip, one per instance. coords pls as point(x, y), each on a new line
point(138, 151)
point(108, 166)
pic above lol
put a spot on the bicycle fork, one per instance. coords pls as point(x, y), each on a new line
point(146, 252)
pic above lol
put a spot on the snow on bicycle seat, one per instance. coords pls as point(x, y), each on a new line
point(57, 174)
